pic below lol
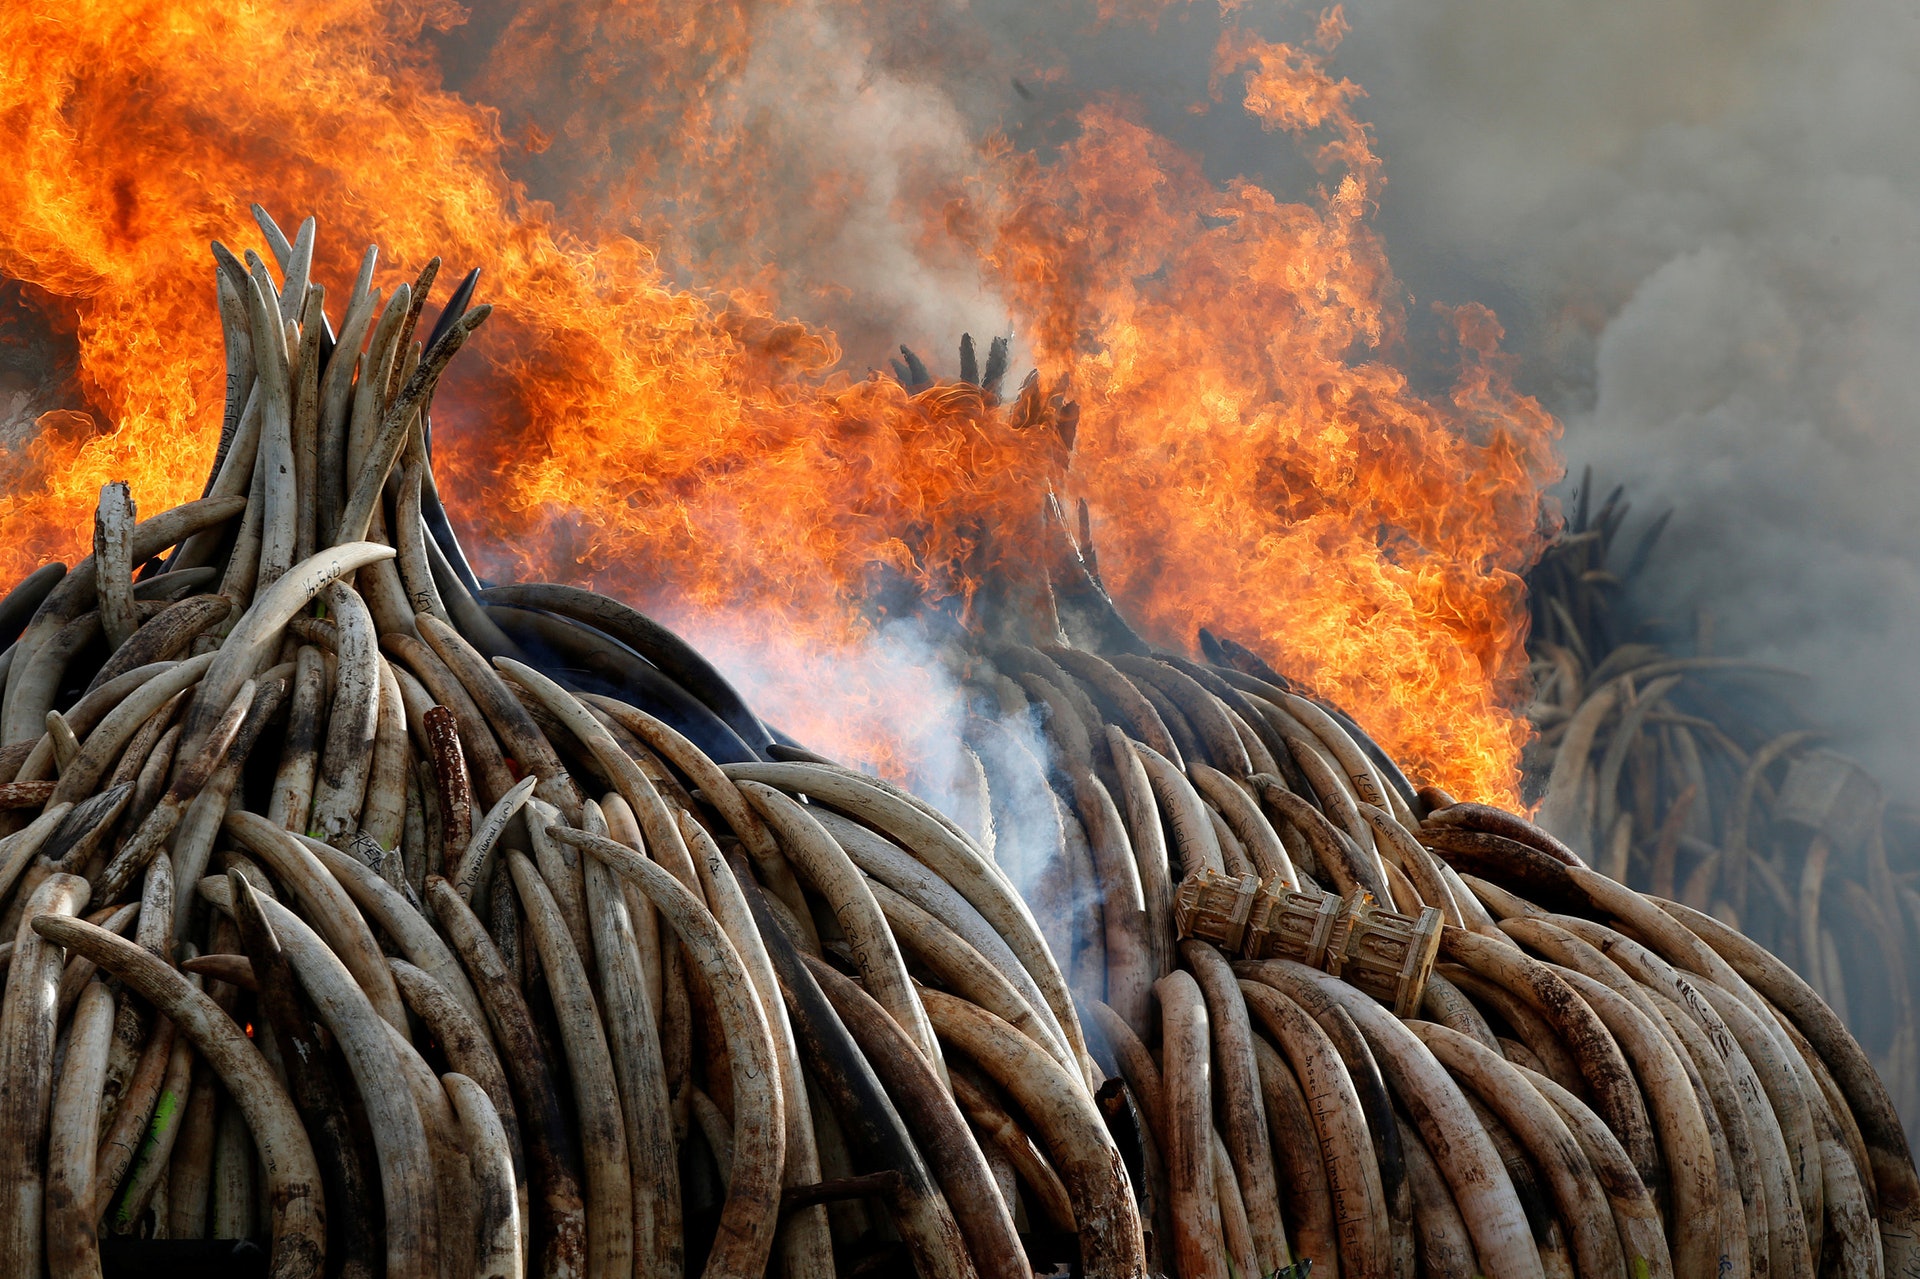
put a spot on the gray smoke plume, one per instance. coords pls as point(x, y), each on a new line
point(1701, 224)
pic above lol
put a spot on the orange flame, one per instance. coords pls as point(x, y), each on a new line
point(1255, 460)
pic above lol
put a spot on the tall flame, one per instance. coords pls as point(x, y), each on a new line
point(1254, 458)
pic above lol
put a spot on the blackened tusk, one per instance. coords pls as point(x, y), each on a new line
point(883, 1185)
point(591, 657)
point(649, 639)
point(996, 372)
point(433, 513)
point(24, 600)
point(920, 379)
point(456, 306)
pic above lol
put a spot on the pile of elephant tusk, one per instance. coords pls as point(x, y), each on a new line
point(1694, 776)
point(413, 928)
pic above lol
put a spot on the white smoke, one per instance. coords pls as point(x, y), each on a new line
point(857, 143)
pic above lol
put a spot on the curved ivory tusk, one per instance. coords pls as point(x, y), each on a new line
point(249, 645)
point(1453, 1133)
point(946, 852)
point(552, 1150)
point(1601, 1064)
point(1633, 1211)
point(1186, 814)
point(1069, 1125)
point(191, 779)
point(72, 1247)
point(1242, 1112)
point(892, 868)
point(522, 738)
point(826, 866)
point(1186, 1107)
point(603, 1137)
point(747, 1221)
point(496, 1205)
point(805, 1242)
point(327, 905)
point(645, 1103)
point(1533, 1123)
point(1897, 1187)
point(407, 927)
point(938, 1129)
point(293, 1178)
point(275, 457)
point(346, 758)
point(474, 859)
point(27, 1030)
point(399, 1133)
point(25, 710)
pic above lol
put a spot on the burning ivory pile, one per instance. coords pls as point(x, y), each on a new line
point(338, 923)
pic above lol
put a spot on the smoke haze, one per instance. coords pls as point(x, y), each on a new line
point(1701, 225)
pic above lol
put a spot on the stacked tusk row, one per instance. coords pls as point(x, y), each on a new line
point(1695, 777)
point(1588, 1080)
point(427, 930)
